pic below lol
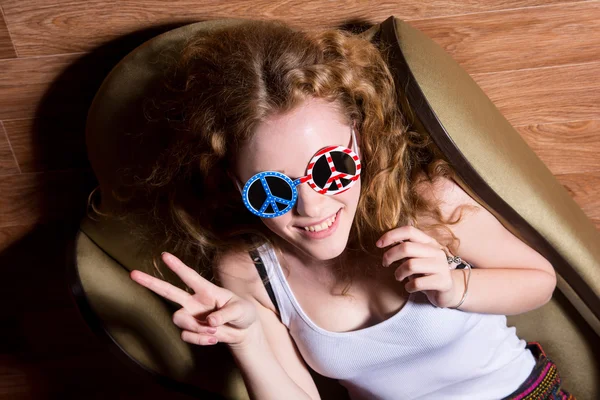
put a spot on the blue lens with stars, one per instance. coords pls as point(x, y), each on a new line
point(270, 194)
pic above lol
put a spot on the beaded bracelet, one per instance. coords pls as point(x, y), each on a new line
point(457, 259)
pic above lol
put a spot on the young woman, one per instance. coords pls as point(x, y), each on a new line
point(289, 146)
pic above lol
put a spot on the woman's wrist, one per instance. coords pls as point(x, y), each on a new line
point(255, 339)
point(459, 278)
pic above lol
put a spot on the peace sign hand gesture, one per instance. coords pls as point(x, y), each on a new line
point(212, 314)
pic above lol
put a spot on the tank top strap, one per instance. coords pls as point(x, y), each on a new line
point(266, 263)
point(262, 272)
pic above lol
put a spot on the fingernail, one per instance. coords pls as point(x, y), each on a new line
point(212, 321)
point(212, 330)
point(162, 253)
point(379, 243)
point(212, 340)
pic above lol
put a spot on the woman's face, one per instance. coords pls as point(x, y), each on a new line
point(286, 143)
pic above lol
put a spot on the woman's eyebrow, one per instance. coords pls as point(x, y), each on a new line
point(280, 171)
point(274, 170)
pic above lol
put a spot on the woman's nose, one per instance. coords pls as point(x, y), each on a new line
point(309, 202)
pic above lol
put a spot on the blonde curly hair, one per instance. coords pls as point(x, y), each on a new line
point(222, 86)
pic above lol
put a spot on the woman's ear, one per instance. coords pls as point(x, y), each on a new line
point(237, 183)
point(235, 180)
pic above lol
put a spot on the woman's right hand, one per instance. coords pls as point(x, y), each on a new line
point(212, 314)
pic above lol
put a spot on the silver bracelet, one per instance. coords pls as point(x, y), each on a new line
point(457, 259)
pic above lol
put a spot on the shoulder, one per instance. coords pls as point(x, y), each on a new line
point(483, 240)
point(237, 272)
point(446, 194)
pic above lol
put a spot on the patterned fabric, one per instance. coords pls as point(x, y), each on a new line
point(544, 382)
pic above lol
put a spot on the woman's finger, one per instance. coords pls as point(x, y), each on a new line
point(199, 338)
point(428, 282)
point(223, 334)
point(196, 282)
point(160, 287)
point(407, 232)
point(234, 314)
point(416, 266)
point(188, 322)
point(408, 249)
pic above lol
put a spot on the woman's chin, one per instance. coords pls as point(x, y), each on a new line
point(322, 250)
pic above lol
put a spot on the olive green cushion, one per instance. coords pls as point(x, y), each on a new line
point(141, 325)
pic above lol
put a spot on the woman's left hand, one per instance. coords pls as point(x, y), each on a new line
point(426, 265)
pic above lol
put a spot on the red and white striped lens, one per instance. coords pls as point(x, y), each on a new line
point(333, 170)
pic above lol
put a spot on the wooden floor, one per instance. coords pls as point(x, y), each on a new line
point(538, 60)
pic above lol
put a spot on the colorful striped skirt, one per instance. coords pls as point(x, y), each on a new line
point(543, 383)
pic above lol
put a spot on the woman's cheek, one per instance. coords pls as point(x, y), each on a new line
point(277, 225)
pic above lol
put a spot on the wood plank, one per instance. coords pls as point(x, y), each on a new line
point(65, 26)
point(66, 332)
point(585, 190)
point(33, 270)
point(94, 375)
point(8, 165)
point(56, 85)
point(12, 234)
point(523, 38)
point(566, 148)
point(7, 49)
point(545, 95)
point(41, 197)
point(24, 82)
point(48, 143)
point(14, 383)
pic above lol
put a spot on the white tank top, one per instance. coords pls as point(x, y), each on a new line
point(422, 352)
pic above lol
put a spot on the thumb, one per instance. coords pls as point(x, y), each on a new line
point(234, 313)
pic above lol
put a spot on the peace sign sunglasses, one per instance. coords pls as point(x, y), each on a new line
point(332, 170)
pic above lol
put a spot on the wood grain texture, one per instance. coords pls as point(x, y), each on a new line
point(585, 190)
point(8, 164)
point(24, 83)
point(89, 374)
point(517, 39)
point(48, 143)
point(567, 148)
point(545, 95)
point(64, 26)
point(12, 234)
point(7, 49)
point(34, 198)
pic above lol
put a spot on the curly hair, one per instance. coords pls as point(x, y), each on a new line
point(222, 86)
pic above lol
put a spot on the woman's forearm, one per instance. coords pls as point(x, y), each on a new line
point(507, 291)
point(263, 375)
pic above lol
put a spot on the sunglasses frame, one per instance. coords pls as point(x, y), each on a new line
point(270, 200)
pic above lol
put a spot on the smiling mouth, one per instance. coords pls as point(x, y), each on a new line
point(322, 230)
point(322, 225)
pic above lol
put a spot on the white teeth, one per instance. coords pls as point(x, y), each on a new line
point(316, 228)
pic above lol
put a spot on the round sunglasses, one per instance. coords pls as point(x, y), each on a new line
point(332, 170)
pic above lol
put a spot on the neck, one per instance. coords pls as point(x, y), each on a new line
point(359, 266)
point(298, 257)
